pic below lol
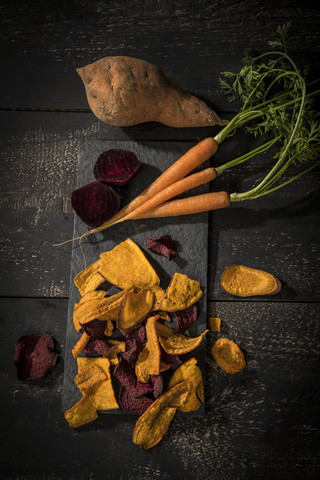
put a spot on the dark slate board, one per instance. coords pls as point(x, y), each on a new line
point(190, 234)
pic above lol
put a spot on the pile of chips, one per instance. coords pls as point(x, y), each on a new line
point(147, 346)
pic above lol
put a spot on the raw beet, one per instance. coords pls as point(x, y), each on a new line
point(116, 166)
point(95, 203)
point(186, 318)
point(163, 245)
point(34, 357)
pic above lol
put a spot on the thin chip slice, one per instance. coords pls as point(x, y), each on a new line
point(148, 362)
point(190, 371)
point(94, 309)
point(155, 422)
point(186, 318)
point(135, 308)
point(109, 328)
point(81, 413)
point(89, 279)
point(164, 330)
point(81, 344)
point(179, 344)
point(117, 347)
point(92, 295)
point(130, 403)
point(228, 355)
point(181, 293)
point(87, 379)
point(126, 266)
point(103, 396)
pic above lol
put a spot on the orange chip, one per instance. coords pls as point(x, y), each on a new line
point(178, 344)
point(81, 343)
point(81, 413)
point(89, 279)
point(102, 396)
point(148, 361)
point(189, 371)
point(94, 309)
point(87, 379)
point(164, 330)
point(228, 355)
point(92, 295)
point(155, 422)
point(181, 293)
point(109, 328)
point(135, 308)
point(159, 294)
point(126, 266)
point(113, 354)
point(214, 324)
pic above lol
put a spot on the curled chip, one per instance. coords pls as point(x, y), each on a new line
point(89, 279)
point(155, 422)
point(215, 324)
point(102, 394)
point(181, 293)
point(190, 371)
point(244, 281)
point(81, 344)
point(148, 362)
point(109, 328)
point(34, 357)
point(228, 355)
point(81, 413)
point(186, 318)
point(178, 344)
point(92, 295)
point(94, 309)
point(163, 245)
point(126, 266)
point(117, 346)
point(135, 308)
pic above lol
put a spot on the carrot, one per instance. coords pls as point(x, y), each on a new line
point(192, 159)
point(181, 186)
point(189, 205)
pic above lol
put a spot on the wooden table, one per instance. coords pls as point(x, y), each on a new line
point(260, 424)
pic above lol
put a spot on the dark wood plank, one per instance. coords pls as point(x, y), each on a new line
point(191, 41)
point(261, 423)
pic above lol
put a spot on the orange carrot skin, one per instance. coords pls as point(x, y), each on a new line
point(192, 159)
point(189, 205)
point(175, 189)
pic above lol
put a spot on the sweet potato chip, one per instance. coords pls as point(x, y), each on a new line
point(135, 308)
point(81, 344)
point(159, 294)
point(148, 362)
point(102, 397)
point(243, 281)
point(92, 295)
point(94, 309)
point(214, 324)
point(155, 422)
point(228, 355)
point(181, 293)
point(126, 266)
point(190, 371)
point(87, 379)
point(109, 328)
point(81, 413)
point(178, 344)
point(89, 279)
point(117, 346)
point(164, 330)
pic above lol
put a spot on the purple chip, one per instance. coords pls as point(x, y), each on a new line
point(129, 403)
point(163, 245)
point(95, 329)
point(186, 318)
point(34, 356)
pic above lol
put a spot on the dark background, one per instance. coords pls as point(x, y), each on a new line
point(262, 423)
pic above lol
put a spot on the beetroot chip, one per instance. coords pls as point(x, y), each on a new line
point(125, 373)
point(116, 166)
point(169, 359)
point(129, 403)
point(163, 245)
point(134, 343)
point(95, 203)
point(34, 357)
point(186, 318)
point(97, 346)
point(157, 382)
point(95, 329)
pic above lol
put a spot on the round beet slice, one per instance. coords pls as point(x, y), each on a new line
point(95, 203)
point(116, 166)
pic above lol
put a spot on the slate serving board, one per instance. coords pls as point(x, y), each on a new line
point(189, 232)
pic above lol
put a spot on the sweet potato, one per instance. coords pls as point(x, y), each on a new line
point(123, 91)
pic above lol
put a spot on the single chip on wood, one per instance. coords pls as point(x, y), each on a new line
point(243, 281)
point(228, 355)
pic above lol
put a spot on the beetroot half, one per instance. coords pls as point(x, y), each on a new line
point(116, 166)
point(95, 203)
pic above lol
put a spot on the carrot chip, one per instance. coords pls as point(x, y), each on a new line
point(148, 362)
point(89, 279)
point(81, 413)
point(190, 371)
point(135, 308)
point(181, 293)
point(179, 344)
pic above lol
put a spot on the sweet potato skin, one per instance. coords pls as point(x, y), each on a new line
point(124, 91)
